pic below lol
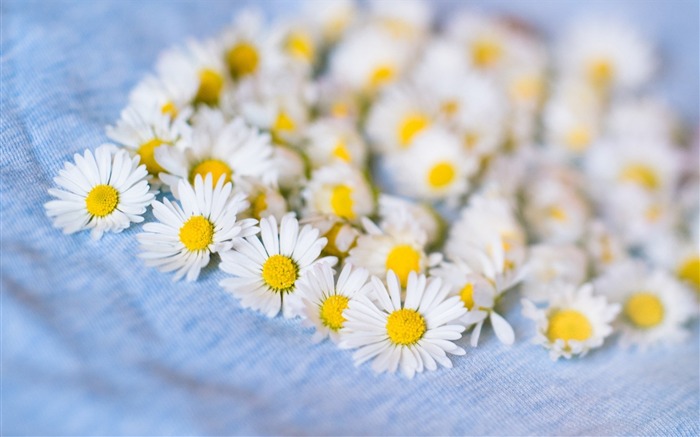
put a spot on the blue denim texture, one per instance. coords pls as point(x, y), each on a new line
point(94, 342)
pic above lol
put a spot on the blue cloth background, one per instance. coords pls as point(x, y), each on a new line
point(93, 342)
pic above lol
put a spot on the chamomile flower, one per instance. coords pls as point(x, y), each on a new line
point(435, 167)
point(574, 322)
point(604, 247)
point(330, 141)
point(340, 234)
point(171, 95)
point(550, 266)
point(264, 199)
point(267, 269)
point(396, 209)
point(104, 192)
point(403, 19)
point(398, 246)
point(486, 39)
point(298, 42)
point(340, 190)
point(228, 149)
point(204, 222)
point(143, 130)
point(246, 49)
point(324, 299)
point(655, 306)
point(330, 18)
point(412, 334)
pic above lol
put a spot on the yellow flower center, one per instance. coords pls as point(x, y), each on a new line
point(280, 273)
point(601, 72)
point(340, 109)
point(410, 126)
point(449, 107)
point(527, 88)
point(644, 310)
point(242, 59)
point(341, 202)
point(470, 140)
point(283, 123)
point(557, 213)
point(467, 296)
point(441, 174)
point(640, 174)
point(300, 45)
point(332, 311)
point(381, 76)
point(689, 271)
point(486, 52)
point(569, 325)
point(102, 200)
point(216, 167)
point(403, 259)
point(197, 233)
point(405, 327)
point(210, 85)
point(147, 154)
point(341, 151)
point(259, 205)
point(169, 109)
point(578, 138)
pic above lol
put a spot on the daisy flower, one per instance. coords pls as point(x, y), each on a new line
point(550, 266)
point(340, 234)
point(228, 149)
point(324, 299)
point(572, 118)
point(655, 306)
point(604, 248)
point(245, 47)
point(393, 209)
point(330, 18)
point(397, 246)
point(104, 192)
point(264, 200)
point(486, 39)
point(411, 334)
point(204, 222)
point(331, 141)
point(340, 190)
point(403, 19)
point(143, 130)
point(267, 269)
point(574, 322)
point(290, 166)
point(167, 94)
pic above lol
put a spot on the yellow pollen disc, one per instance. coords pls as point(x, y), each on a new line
point(210, 85)
point(403, 259)
point(242, 60)
point(283, 123)
point(382, 75)
point(578, 138)
point(280, 273)
point(600, 72)
point(216, 167)
point(467, 296)
point(653, 213)
point(410, 126)
point(169, 109)
point(341, 151)
point(640, 174)
point(405, 327)
point(341, 202)
point(147, 153)
point(470, 140)
point(449, 107)
point(486, 52)
point(197, 233)
point(340, 109)
point(332, 311)
point(689, 271)
point(441, 175)
point(300, 46)
point(569, 325)
point(644, 310)
point(102, 200)
point(527, 89)
point(557, 213)
point(259, 205)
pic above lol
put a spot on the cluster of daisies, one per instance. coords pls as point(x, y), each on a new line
point(388, 182)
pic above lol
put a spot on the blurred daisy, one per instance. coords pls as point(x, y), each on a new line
point(604, 248)
point(290, 167)
point(574, 322)
point(267, 269)
point(330, 18)
point(324, 299)
point(411, 334)
point(550, 266)
point(298, 42)
point(246, 48)
point(572, 118)
point(264, 200)
point(104, 192)
point(331, 141)
point(655, 306)
point(171, 95)
point(223, 149)
point(340, 190)
point(396, 209)
point(340, 234)
point(403, 19)
point(486, 39)
point(642, 118)
point(204, 222)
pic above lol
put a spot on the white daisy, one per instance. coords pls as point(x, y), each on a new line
point(246, 48)
point(340, 190)
point(340, 234)
point(604, 248)
point(395, 209)
point(324, 299)
point(264, 199)
point(204, 222)
point(403, 19)
point(411, 334)
point(104, 192)
point(224, 149)
point(550, 266)
point(655, 306)
point(169, 94)
point(487, 39)
point(574, 322)
point(332, 140)
point(267, 269)
point(330, 18)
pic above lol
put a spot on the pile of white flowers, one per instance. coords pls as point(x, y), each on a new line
point(435, 170)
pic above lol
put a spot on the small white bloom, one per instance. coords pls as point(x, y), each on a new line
point(550, 266)
point(411, 334)
point(332, 140)
point(395, 209)
point(403, 19)
point(264, 199)
point(340, 190)
point(267, 269)
point(104, 192)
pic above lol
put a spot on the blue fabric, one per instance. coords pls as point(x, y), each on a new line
point(93, 342)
